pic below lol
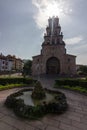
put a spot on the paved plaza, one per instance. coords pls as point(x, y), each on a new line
point(75, 118)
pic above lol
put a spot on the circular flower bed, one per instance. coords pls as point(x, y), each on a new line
point(56, 106)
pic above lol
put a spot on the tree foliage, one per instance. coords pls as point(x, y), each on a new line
point(27, 68)
point(83, 69)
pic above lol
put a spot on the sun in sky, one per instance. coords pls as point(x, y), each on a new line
point(53, 9)
point(49, 8)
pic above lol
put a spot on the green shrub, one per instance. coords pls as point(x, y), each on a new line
point(9, 86)
point(11, 100)
point(38, 92)
point(71, 82)
point(75, 88)
point(4, 81)
point(83, 83)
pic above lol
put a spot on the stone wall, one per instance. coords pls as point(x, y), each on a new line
point(67, 62)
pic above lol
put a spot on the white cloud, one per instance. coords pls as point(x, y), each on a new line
point(74, 40)
point(46, 8)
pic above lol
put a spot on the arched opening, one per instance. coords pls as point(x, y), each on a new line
point(53, 66)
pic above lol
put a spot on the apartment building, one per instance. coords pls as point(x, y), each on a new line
point(5, 63)
point(10, 63)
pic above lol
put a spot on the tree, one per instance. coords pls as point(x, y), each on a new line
point(27, 68)
point(83, 69)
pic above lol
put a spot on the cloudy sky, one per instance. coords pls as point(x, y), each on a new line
point(23, 22)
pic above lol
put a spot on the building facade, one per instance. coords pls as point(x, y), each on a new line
point(10, 63)
point(53, 58)
point(5, 63)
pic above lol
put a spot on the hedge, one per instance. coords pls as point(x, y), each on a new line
point(5, 81)
point(72, 82)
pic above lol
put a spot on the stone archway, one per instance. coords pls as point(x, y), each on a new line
point(53, 66)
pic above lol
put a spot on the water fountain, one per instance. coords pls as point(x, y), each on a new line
point(37, 102)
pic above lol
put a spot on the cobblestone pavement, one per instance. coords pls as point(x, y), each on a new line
point(73, 119)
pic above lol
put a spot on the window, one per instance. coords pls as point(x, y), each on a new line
point(68, 59)
point(6, 63)
point(37, 60)
point(69, 68)
point(6, 68)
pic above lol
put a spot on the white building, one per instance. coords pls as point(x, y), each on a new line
point(10, 63)
point(5, 63)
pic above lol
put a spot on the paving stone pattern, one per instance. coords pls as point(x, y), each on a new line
point(73, 119)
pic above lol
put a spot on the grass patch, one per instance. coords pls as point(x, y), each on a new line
point(78, 85)
point(8, 83)
point(9, 86)
point(73, 88)
point(77, 88)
